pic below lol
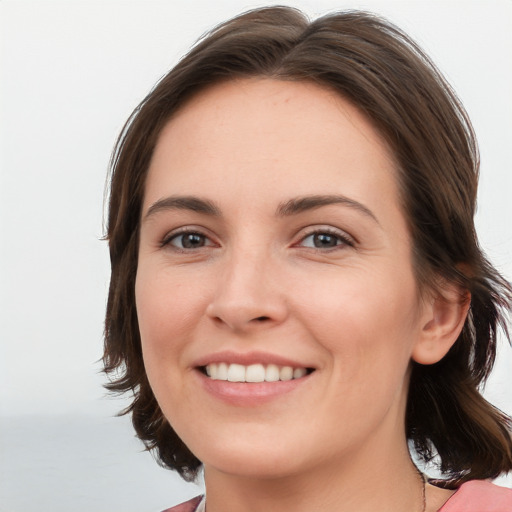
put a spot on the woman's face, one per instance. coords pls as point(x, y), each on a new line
point(273, 246)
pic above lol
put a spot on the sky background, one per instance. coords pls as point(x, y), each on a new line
point(71, 72)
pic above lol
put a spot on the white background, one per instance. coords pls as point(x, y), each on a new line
point(71, 73)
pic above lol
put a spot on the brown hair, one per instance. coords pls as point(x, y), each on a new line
point(382, 71)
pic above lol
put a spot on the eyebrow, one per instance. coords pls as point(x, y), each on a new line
point(192, 203)
point(305, 203)
point(292, 207)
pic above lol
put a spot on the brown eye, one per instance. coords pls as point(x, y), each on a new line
point(189, 241)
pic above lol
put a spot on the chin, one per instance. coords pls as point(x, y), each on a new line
point(251, 459)
point(253, 466)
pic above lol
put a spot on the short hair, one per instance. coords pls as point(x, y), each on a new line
point(372, 64)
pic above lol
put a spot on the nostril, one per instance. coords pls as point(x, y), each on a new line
point(262, 318)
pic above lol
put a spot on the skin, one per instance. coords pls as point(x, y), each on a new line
point(256, 280)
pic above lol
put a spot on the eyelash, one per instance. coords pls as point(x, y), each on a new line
point(182, 233)
point(341, 238)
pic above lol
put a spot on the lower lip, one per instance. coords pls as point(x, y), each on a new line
point(249, 394)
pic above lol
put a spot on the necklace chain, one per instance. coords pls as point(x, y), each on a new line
point(423, 491)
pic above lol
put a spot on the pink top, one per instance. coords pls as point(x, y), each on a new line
point(188, 506)
point(479, 496)
point(473, 496)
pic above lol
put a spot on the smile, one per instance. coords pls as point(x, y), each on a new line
point(251, 379)
point(253, 373)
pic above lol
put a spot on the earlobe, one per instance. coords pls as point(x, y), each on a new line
point(442, 324)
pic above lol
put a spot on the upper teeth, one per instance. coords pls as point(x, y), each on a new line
point(253, 372)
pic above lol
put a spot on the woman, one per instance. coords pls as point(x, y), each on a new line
point(297, 288)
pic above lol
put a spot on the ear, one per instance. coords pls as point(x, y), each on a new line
point(443, 318)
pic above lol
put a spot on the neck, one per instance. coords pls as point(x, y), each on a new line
point(378, 478)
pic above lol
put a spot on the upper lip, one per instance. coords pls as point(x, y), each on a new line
point(248, 358)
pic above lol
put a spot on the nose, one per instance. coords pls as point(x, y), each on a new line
point(249, 294)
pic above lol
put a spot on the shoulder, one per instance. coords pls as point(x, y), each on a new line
point(479, 496)
point(188, 506)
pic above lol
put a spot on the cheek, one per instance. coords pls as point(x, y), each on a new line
point(167, 310)
point(364, 319)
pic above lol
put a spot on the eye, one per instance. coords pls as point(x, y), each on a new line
point(326, 239)
point(187, 240)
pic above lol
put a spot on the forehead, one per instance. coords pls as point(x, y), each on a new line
point(240, 134)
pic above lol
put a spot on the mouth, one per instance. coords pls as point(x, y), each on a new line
point(251, 379)
point(253, 373)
